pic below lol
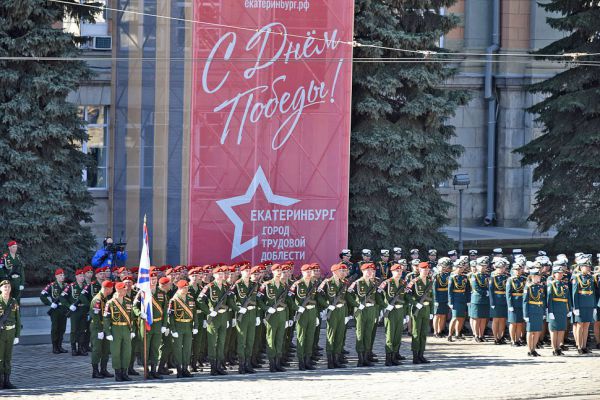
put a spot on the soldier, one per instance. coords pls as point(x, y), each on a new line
point(183, 323)
point(420, 294)
point(118, 330)
point(534, 306)
point(558, 299)
point(274, 299)
point(231, 335)
point(194, 289)
point(100, 345)
point(473, 255)
point(514, 300)
point(331, 295)
point(304, 294)
point(397, 255)
point(75, 298)
point(432, 259)
point(453, 255)
point(215, 301)
point(244, 294)
point(12, 269)
point(353, 270)
point(158, 328)
point(50, 296)
point(597, 323)
point(458, 297)
point(497, 295)
point(440, 296)
point(166, 347)
point(414, 254)
point(392, 297)
point(383, 267)
point(480, 301)
point(10, 330)
point(93, 289)
point(361, 295)
point(584, 303)
point(136, 341)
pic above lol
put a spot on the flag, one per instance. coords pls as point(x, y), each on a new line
point(143, 282)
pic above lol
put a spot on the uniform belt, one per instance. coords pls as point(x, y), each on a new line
point(310, 307)
point(559, 299)
point(198, 311)
point(398, 306)
point(120, 323)
point(517, 294)
point(340, 305)
point(183, 320)
point(445, 289)
point(499, 292)
point(222, 311)
point(9, 327)
point(369, 304)
point(250, 307)
point(425, 303)
point(537, 303)
point(458, 291)
point(585, 292)
point(280, 308)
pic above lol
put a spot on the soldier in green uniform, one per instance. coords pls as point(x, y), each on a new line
point(100, 345)
point(288, 347)
point(118, 330)
point(244, 295)
point(158, 328)
point(10, 330)
point(165, 286)
point(93, 289)
point(260, 337)
point(304, 293)
point(136, 341)
point(215, 301)
point(332, 297)
point(392, 296)
point(183, 323)
point(274, 299)
point(194, 289)
point(50, 296)
point(361, 295)
point(231, 335)
point(420, 295)
point(75, 298)
point(13, 270)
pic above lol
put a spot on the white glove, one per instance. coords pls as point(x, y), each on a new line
point(317, 323)
point(331, 308)
point(271, 310)
point(194, 331)
point(346, 320)
point(213, 314)
point(361, 306)
point(175, 334)
point(109, 338)
point(287, 324)
point(21, 287)
point(290, 322)
point(544, 317)
point(550, 315)
point(569, 314)
point(16, 340)
point(451, 306)
point(526, 319)
point(164, 330)
point(436, 304)
point(72, 307)
point(257, 321)
point(300, 309)
point(430, 316)
point(144, 315)
point(100, 335)
point(389, 307)
point(53, 305)
point(406, 319)
point(204, 324)
point(233, 322)
point(511, 309)
point(576, 311)
point(419, 306)
point(227, 325)
point(242, 310)
point(493, 307)
point(132, 335)
point(595, 313)
point(323, 314)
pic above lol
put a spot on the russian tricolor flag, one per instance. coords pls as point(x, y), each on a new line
point(143, 282)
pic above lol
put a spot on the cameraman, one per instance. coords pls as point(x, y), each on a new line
point(109, 254)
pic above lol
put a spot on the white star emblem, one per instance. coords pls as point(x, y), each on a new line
point(227, 205)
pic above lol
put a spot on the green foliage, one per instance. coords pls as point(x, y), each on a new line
point(43, 201)
point(400, 148)
point(566, 155)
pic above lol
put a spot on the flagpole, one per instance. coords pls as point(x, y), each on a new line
point(145, 354)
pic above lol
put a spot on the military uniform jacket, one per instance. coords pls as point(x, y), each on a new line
point(416, 289)
point(557, 292)
point(159, 307)
point(97, 306)
point(515, 286)
point(211, 294)
point(94, 288)
point(269, 293)
point(583, 291)
point(479, 288)
point(597, 281)
point(75, 294)
point(240, 293)
point(117, 314)
point(497, 289)
point(12, 269)
point(328, 290)
point(534, 300)
point(182, 310)
point(13, 321)
point(440, 287)
point(388, 289)
point(383, 270)
point(52, 293)
point(458, 289)
point(300, 289)
point(363, 292)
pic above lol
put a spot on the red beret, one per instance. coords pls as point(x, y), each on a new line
point(276, 267)
point(127, 278)
point(121, 270)
point(245, 267)
point(306, 267)
point(120, 285)
point(337, 267)
point(367, 266)
point(233, 268)
point(12, 243)
point(153, 274)
point(256, 270)
point(108, 284)
point(164, 280)
point(59, 271)
point(315, 266)
point(396, 267)
point(79, 272)
point(424, 265)
point(169, 271)
point(182, 283)
point(135, 269)
point(87, 268)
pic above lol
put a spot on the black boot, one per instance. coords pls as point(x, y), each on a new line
point(248, 367)
point(124, 374)
point(60, 348)
point(337, 361)
point(242, 366)
point(307, 363)
point(272, 365)
point(399, 356)
point(330, 363)
point(74, 351)
point(301, 365)
point(220, 368)
point(372, 357)
point(213, 368)
point(423, 359)
point(55, 349)
point(132, 371)
point(7, 384)
point(1, 381)
point(194, 364)
point(254, 362)
point(388, 359)
point(163, 370)
point(118, 376)
point(395, 360)
point(82, 349)
point(154, 373)
point(179, 374)
point(361, 361)
point(185, 372)
point(278, 366)
point(366, 361)
point(416, 358)
point(96, 372)
point(104, 371)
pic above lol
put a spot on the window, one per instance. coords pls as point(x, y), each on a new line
point(96, 117)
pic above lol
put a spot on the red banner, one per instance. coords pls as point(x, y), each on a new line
point(270, 130)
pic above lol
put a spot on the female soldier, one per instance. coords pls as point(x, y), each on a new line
point(583, 304)
point(514, 301)
point(440, 296)
point(597, 323)
point(559, 308)
point(457, 298)
point(480, 301)
point(534, 301)
point(498, 308)
point(472, 270)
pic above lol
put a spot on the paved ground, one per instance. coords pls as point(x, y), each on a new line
point(457, 370)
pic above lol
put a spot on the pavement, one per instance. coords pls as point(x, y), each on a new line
point(458, 370)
